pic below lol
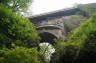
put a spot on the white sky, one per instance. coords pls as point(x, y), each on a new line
point(43, 6)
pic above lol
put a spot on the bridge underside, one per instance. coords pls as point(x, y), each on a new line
point(47, 37)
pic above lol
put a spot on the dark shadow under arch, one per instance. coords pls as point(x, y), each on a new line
point(47, 37)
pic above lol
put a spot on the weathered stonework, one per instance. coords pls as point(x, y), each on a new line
point(53, 23)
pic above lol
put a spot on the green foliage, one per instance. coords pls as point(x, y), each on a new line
point(16, 5)
point(41, 57)
point(19, 55)
point(80, 45)
point(47, 50)
point(16, 29)
point(76, 16)
point(67, 27)
point(4, 41)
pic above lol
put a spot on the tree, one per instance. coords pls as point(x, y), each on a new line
point(19, 55)
point(17, 5)
point(67, 27)
point(16, 29)
point(79, 46)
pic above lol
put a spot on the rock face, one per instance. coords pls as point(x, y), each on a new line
point(53, 23)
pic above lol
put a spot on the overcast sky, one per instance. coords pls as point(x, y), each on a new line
point(43, 6)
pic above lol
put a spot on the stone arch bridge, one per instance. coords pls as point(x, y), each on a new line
point(51, 25)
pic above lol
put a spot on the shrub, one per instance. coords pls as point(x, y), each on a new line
point(67, 27)
point(80, 45)
point(19, 55)
point(14, 28)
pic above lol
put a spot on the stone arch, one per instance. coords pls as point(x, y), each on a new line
point(47, 37)
point(49, 26)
